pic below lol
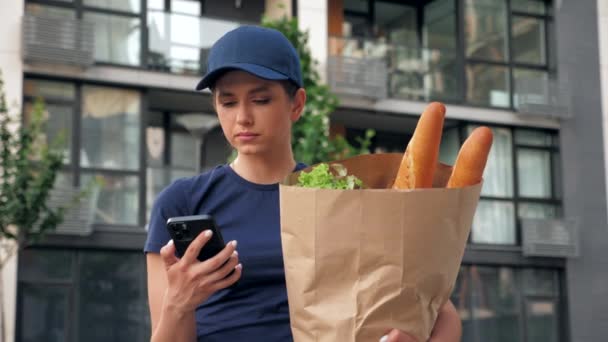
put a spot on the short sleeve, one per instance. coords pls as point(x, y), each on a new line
point(172, 201)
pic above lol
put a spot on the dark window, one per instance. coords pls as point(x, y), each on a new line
point(76, 295)
point(507, 304)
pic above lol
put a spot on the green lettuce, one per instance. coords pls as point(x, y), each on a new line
point(321, 177)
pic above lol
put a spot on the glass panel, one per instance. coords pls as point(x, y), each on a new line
point(45, 264)
point(536, 211)
point(118, 201)
point(49, 90)
point(155, 143)
point(488, 85)
point(450, 145)
point(461, 297)
point(540, 282)
point(356, 5)
point(495, 303)
point(158, 178)
point(541, 320)
point(58, 126)
point(44, 313)
point(111, 127)
point(486, 29)
point(534, 137)
point(523, 76)
point(534, 173)
point(156, 5)
point(184, 151)
point(356, 26)
point(439, 31)
point(498, 175)
point(117, 39)
point(50, 11)
point(528, 40)
point(132, 6)
point(186, 7)
point(396, 24)
point(494, 223)
point(112, 297)
point(528, 6)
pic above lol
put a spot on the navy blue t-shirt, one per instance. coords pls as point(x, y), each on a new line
point(256, 308)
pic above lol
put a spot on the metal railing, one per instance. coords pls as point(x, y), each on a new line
point(543, 97)
point(58, 40)
point(375, 69)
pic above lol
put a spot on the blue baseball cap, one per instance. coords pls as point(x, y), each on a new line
point(263, 52)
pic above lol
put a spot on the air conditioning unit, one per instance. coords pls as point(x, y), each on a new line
point(58, 40)
point(550, 237)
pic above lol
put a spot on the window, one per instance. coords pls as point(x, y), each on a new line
point(117, 38)
point(494, 301)
point(179, 145)
point(506, 42)
point(520, 181)
point(59, 103)
point(75, 295)
point(101, 126)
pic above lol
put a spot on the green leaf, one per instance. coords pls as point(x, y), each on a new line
point(322, 178)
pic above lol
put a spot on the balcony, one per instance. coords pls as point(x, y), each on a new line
point(377, 70)
point(542, 96)
point(179, 43)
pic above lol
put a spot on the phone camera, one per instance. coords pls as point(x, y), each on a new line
point(178, 231)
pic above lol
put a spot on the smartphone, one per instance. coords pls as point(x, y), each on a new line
point(184, 229)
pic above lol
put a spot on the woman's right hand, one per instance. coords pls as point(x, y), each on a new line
point(191, 282)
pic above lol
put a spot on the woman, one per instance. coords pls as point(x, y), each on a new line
point(256, 83)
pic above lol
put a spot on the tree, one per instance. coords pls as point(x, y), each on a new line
point(28, 169)
point(311, 141)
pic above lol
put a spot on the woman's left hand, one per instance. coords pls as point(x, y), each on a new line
point(397, 336)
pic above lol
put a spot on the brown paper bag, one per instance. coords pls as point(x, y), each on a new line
point(360, 262)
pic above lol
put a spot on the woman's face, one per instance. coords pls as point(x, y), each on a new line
point(256, 114)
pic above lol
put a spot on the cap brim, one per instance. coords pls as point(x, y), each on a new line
point(257, 70)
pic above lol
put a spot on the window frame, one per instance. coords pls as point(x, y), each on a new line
point(75, 170)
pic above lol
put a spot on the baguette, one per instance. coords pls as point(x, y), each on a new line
point(417, 167)
point(471, 160)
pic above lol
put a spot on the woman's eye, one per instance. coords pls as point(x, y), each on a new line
point(228, 104)
point(261, 101)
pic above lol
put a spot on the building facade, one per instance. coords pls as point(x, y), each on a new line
point(118, 77)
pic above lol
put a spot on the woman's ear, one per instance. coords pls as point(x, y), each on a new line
point(297, 105)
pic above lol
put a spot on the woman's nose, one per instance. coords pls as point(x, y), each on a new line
point(244, 116)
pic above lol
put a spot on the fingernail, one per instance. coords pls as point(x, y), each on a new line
point(235, 253)
point(208, 233)
point(233, 242)
point(238, 267)
point(170, 242)
point(384, 338)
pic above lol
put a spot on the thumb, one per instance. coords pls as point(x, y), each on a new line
point(167, 253)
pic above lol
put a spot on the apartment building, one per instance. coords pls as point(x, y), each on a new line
point(118, 77)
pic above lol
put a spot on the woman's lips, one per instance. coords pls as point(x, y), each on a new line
point(246, 136)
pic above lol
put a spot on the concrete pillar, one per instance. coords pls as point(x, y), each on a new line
point(11, 67)
point(312, 17)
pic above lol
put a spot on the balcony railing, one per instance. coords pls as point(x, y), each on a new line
point(57, 40)
point(375, 69)
point(180, 43)
point(543, 97)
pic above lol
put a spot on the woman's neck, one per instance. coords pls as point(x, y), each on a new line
point(264, 169)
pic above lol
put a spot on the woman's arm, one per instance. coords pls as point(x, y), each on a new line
point(177, 286)
point(165, 315)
